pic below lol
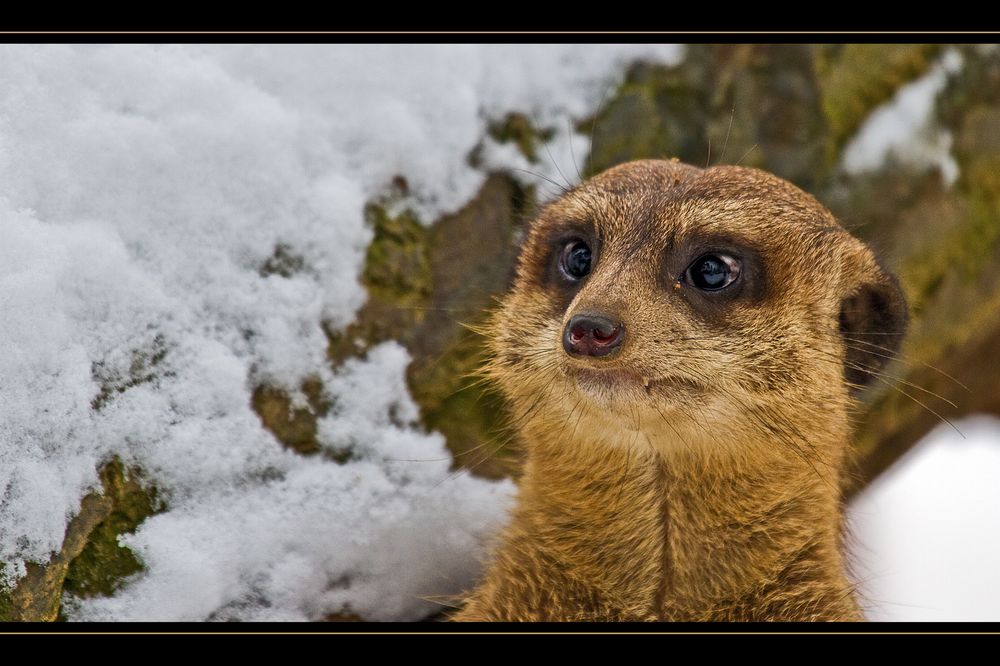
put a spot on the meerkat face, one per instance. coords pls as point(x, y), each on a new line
point(657, 290)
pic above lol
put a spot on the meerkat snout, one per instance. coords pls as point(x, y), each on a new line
point(592, 334)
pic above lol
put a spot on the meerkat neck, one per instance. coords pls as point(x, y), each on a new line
point(626, 532)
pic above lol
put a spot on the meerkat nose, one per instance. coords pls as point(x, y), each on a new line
point(592, 334)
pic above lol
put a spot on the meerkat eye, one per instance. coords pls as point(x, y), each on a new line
point(712, 272)
point(574, 260)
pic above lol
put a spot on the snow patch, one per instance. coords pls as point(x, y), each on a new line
point(927, 532)
point(903, 128)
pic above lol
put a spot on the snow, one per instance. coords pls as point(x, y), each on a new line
point(927, 532)
point(903, 128)
point(142, 188)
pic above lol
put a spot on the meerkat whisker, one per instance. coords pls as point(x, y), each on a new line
point(885, 375)
point(899, 356)
point(943, 419)
point(732, 115)
point(562, 188)
point(749, 150)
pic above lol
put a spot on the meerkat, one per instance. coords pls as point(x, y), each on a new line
point(679, 350)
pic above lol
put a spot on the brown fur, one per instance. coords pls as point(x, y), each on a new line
point(701, 481)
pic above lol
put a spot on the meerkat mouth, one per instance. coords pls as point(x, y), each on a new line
point(620, 378)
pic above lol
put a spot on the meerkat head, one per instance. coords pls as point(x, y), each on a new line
point(713, 303)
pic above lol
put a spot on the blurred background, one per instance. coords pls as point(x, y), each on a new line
point(237, 281)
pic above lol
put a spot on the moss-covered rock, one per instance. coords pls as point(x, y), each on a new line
point(103, 564)
point(856, 78)
point(657, 112)
point(293, 426)
point(91, 561)
point(427, 287)
point(945, 244)
point(517, 128)
point(472, 254)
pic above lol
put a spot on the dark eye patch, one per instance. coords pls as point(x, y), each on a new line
point(702, 293)
point(547, 268)
point(557, 243)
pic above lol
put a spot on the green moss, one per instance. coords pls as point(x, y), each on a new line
point(950, 282)
point(396, 264)
point(456, 401)
point(856, 78)
point(397, 276)
point(926, 272)
point(472, 255)
point(104, 564)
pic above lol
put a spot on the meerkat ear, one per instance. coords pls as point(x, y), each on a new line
point(873, 317)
